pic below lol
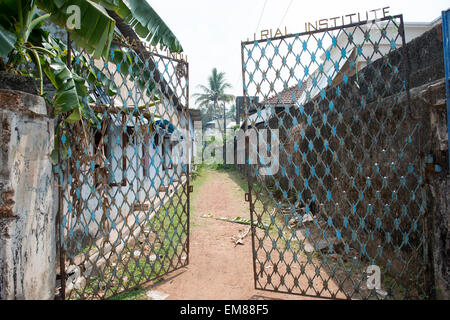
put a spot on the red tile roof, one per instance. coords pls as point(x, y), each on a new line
point(286, 96)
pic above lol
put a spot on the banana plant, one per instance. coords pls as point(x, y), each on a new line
point(22, 40)
point(18, 18)
point(24, 47)
point(71, 89)
point(145, 21)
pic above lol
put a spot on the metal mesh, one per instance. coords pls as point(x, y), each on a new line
point(347, 190)
point(124, 174)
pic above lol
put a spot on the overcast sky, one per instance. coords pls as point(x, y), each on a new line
point(211, 31)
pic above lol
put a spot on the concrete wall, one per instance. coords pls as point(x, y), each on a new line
point(27, 216)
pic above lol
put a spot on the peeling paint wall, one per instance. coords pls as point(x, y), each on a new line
point(27, 215)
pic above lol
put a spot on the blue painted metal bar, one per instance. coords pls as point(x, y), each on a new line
point(446, 41)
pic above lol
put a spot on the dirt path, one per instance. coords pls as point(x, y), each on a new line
point(218, 269)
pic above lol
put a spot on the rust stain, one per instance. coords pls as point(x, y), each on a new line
point(439, 34)
point(5, 135)
point(6, 204)
point(6, 195)
point(10, 100)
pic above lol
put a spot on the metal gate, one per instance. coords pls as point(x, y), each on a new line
point(124, 173)
point(344, 200)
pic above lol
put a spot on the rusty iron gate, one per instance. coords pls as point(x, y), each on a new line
point(124, 174)
point(343, 200)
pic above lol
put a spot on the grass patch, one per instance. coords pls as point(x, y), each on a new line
point(197, 183)
point(159, 248)
point(135, 294)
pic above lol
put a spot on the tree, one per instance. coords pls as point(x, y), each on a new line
point(214, 94)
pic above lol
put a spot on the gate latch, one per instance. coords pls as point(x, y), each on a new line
point(191, 189)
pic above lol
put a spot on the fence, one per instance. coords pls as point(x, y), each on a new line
point(348, 198)
point(124, 173)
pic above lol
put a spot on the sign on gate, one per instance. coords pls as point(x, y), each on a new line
point(345, 211)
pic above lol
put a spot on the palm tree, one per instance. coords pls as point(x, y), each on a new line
point(212, 95)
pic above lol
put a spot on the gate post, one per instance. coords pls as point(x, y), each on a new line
point(446, 41)
point(27, 215)
point(442, 237)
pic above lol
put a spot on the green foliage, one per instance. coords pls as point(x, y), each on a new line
point(212, 95)
point(138, 293)
point(7, 41)
point(96, 27)
point(20, 24)
point(20, 18)
point(71, 97)
point(241, 220)
point(225, 167)
point(147, 23)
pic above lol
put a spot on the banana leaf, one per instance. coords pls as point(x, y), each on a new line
point(71, 90)
point(145, 21)
point(96, 27)
point(7, 41)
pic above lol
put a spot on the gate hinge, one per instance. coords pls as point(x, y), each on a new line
point(191, 189)
point(247, 197)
